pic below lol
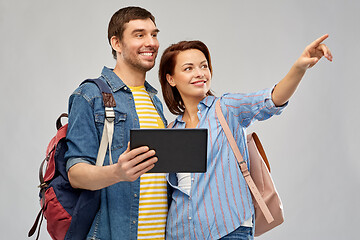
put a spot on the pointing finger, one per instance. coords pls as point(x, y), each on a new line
point(316, 43)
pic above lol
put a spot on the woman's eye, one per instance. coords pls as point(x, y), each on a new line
point(204, 66)
point(187, 69)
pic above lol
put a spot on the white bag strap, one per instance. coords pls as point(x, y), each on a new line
point(109, 104)
point(243, 165)
point(106, 139)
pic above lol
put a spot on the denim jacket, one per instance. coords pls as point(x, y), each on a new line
point(118, 214)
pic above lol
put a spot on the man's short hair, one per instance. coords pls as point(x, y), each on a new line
point(121, 17)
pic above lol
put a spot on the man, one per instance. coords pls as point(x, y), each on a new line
point(127, 194)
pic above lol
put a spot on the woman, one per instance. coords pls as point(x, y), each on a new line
point(217, 204)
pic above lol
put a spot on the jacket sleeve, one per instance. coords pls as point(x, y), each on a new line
point(82, 135)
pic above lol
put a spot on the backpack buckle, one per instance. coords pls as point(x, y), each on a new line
point(109, 114)
point(43, 185)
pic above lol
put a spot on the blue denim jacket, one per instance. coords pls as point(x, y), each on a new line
point(118, 214)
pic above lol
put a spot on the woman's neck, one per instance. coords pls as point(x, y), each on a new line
point(190, 116)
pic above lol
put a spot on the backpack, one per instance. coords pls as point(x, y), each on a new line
point(70, 212)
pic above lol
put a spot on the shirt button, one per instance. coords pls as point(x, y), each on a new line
point(134, 222)
point(192, 179)
point(125, 88)
point(135, 195)
point(189, 218)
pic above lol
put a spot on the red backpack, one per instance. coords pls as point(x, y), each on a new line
point(69, 212)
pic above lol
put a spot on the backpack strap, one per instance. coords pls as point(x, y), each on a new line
point(109, 104)
point(171, 124)
point(243, 165)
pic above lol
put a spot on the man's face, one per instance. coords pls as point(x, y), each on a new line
point(139, 45)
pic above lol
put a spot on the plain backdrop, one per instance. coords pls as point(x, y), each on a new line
point(48, 47)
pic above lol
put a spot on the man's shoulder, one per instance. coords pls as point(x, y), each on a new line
point(88, 90)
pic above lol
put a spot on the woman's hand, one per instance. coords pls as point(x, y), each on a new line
point(313, 53)
point(310, 56)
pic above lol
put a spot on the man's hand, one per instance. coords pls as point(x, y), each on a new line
point(128, 168)
point(130, 164)
point(313, 53)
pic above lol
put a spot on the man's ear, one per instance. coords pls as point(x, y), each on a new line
point(170, 80)
point(115, 44)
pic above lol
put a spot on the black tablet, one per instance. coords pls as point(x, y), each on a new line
point(177, 150)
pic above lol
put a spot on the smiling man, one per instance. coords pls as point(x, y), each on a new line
point(133, 202)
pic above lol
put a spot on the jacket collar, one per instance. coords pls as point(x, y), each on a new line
point(116, 83)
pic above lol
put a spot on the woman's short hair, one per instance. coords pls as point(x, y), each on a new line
point(171, 95)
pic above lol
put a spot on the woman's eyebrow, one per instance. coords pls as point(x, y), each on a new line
point(186, 64)
point(191, 64)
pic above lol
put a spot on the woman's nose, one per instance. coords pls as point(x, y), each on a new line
point(199, 72)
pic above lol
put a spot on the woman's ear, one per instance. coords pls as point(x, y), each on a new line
point(115, 44)
point(170, 80)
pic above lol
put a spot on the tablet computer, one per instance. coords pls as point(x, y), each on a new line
point(177, 150)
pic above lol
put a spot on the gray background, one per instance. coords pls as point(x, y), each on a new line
point(48, 47)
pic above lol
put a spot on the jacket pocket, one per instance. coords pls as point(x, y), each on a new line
point(119, 128)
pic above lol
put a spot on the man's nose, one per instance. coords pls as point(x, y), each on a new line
point(150, 41)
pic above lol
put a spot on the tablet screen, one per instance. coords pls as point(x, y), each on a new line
point(177, 150)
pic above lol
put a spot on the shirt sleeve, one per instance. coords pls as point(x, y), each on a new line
point(251, 106)
point(82, 136)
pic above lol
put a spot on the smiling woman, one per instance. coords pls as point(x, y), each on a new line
point(191, 78)
point(218, 204)
point(177, 59)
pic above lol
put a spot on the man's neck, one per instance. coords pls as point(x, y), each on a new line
point(130, 76)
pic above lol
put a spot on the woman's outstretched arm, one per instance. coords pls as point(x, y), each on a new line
point(310, 56)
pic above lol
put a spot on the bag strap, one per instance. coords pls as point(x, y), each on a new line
point(109, 104)
point(171, 124)
point(243, 165)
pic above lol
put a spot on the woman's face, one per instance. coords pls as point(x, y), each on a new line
point(191, 75)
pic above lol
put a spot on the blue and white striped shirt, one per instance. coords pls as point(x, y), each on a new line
point(219, 200)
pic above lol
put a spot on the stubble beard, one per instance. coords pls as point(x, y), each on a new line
point(137, 63)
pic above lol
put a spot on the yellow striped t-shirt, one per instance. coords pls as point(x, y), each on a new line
point(153, 187)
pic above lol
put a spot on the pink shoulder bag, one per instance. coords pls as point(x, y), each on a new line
point(267, 203)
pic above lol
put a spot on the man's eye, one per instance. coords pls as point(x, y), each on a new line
point(139, 35)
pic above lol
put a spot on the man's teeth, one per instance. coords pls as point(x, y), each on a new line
point(147, 54)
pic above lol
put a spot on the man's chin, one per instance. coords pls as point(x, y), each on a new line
point(147, 67)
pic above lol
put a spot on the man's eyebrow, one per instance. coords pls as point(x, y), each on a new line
point(143, 30)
